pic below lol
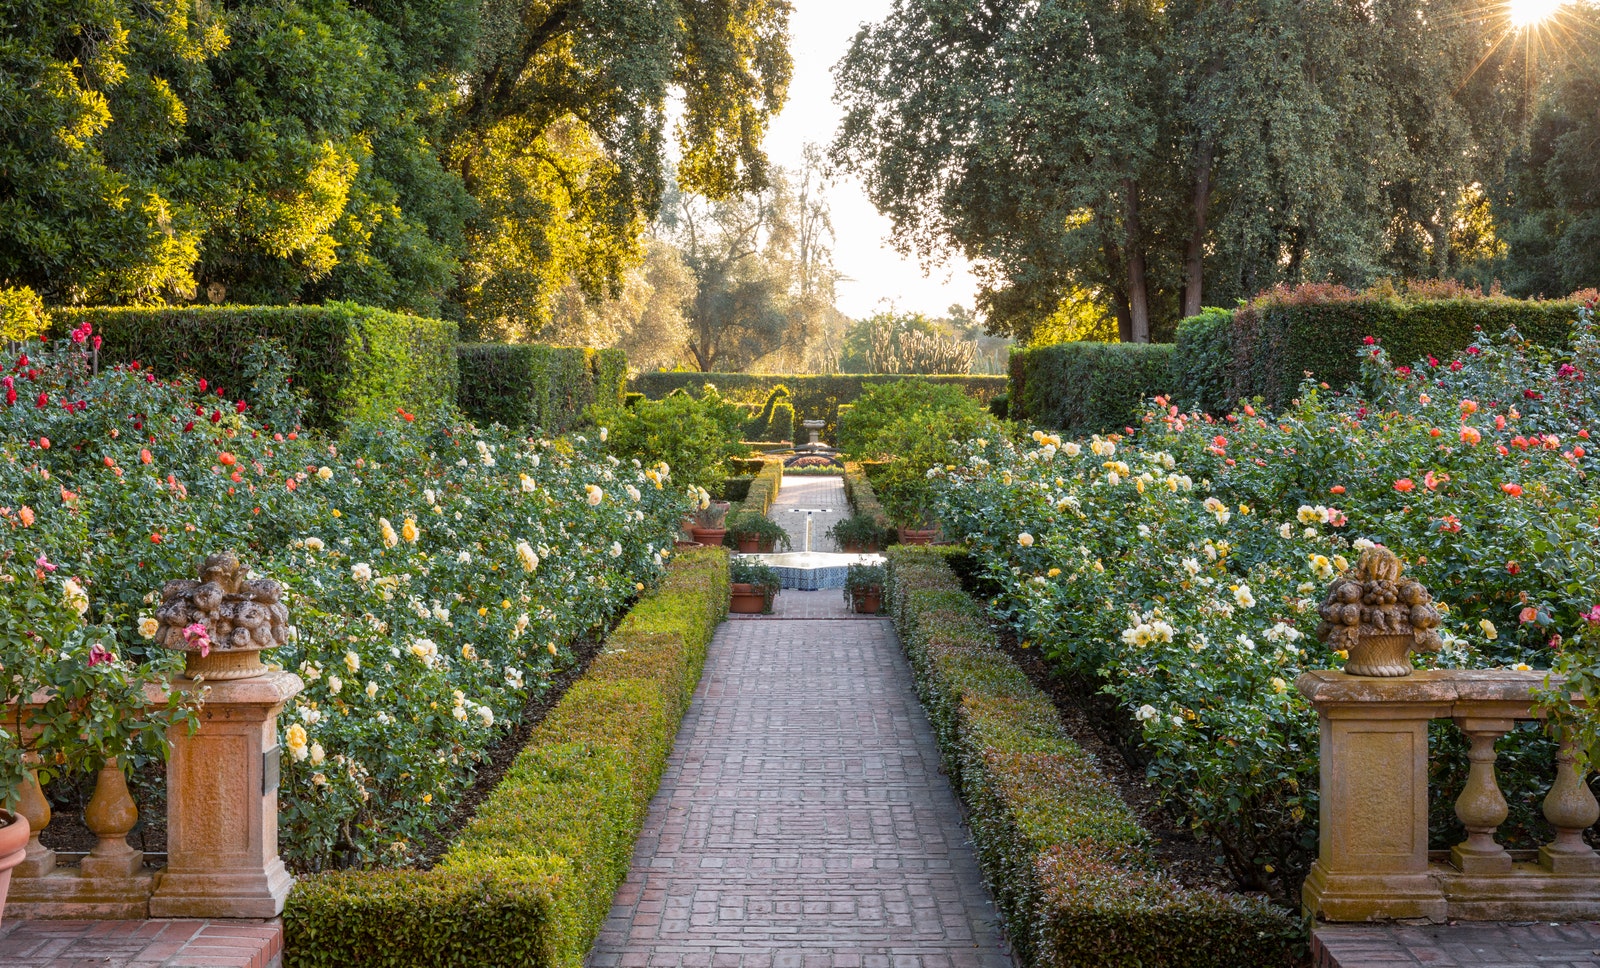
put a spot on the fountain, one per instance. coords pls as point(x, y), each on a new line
point(808, 570)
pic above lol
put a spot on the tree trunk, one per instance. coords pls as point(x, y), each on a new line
point(1138, 293)
point(1194, 269)
point(1112, 254)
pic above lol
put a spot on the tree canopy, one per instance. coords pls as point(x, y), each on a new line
point(1159, 156)
point(459, 156)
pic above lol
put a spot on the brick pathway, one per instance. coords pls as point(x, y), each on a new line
point(802, 820)
point(810, 492)
point(1462, 945)
point(140, 944)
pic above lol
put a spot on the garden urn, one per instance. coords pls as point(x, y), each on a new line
point(14, 834)
point(223, 621)
point(1378, 617)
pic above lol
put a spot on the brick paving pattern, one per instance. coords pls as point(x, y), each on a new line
point(1461, 945)
point(140, 944)
point(810, 492)
point(802, 819)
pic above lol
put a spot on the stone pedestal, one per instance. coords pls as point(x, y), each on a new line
point(222, 819)
point(1372, 858)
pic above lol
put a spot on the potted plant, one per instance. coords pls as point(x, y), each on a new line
point(857, 534)
point(925, 531)
point(863, 588)
point(753, 533)
point(754, 587)
point(708, 520)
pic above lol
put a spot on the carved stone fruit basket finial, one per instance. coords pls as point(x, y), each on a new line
point(1379, 617)
point(223, 621)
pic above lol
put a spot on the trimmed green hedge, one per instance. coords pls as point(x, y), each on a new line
point(1277, 341)
point(1201, 359)
point(813, 397)
point(763, 490)
point(527, 385)
point(352, 361)
point(531, 878)
point(1087, 388)
point(1067, 861)
point(864, 501)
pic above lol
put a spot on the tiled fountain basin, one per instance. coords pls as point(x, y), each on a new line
point(809, 571)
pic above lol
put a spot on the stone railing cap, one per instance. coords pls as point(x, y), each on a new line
point(1329, 687)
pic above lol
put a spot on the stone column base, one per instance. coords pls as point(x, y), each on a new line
point(1371, 897)
point(68, 893)
point(221, 893)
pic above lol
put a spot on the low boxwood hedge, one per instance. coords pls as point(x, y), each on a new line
point(763, 489)
point(531, 878)
point(352, 361)
point(864, 500)
point(1068, 863)
point(532, 386)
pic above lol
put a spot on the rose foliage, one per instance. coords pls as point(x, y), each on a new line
point(1182, 568)
point(437, 576)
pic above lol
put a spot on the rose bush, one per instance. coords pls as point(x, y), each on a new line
point(437, 574)
point(1182, 569)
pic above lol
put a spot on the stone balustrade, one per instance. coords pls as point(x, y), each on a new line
point(222, 820)
point(1373, 859)
point(222, 778)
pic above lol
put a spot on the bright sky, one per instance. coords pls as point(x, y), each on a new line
point(821, 31)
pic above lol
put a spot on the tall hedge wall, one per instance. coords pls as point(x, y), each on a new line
point(353, 361)
point(1087, 388)
point(529, 385)
point(814, 397)
point(1264, 349)
point(1273, 343)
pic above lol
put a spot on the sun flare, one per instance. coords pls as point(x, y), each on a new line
point(1531, 13)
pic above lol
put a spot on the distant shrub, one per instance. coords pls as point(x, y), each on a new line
point(697, 437)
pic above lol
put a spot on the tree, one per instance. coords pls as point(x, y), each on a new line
point(465, 157)
point(1162, 154)
point(1547, 209)
point(646, 320)
point(763, 264)
point(74, 225)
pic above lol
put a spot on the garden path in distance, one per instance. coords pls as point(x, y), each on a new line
point(803, 820)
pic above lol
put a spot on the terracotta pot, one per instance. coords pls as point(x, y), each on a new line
point(753, 544)
point(1383, 656)
point(867, 601)
point(709, 537)
point(859, 547)
point(13, 848)
point(918, 536)
point(748, 599)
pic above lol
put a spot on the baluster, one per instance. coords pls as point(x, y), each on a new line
point(40, 860)
point(110, 815)
point(1481, 806)
point(1571, 809)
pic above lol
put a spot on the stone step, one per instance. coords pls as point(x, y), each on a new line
point(1477, 944)
point(178, 943)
